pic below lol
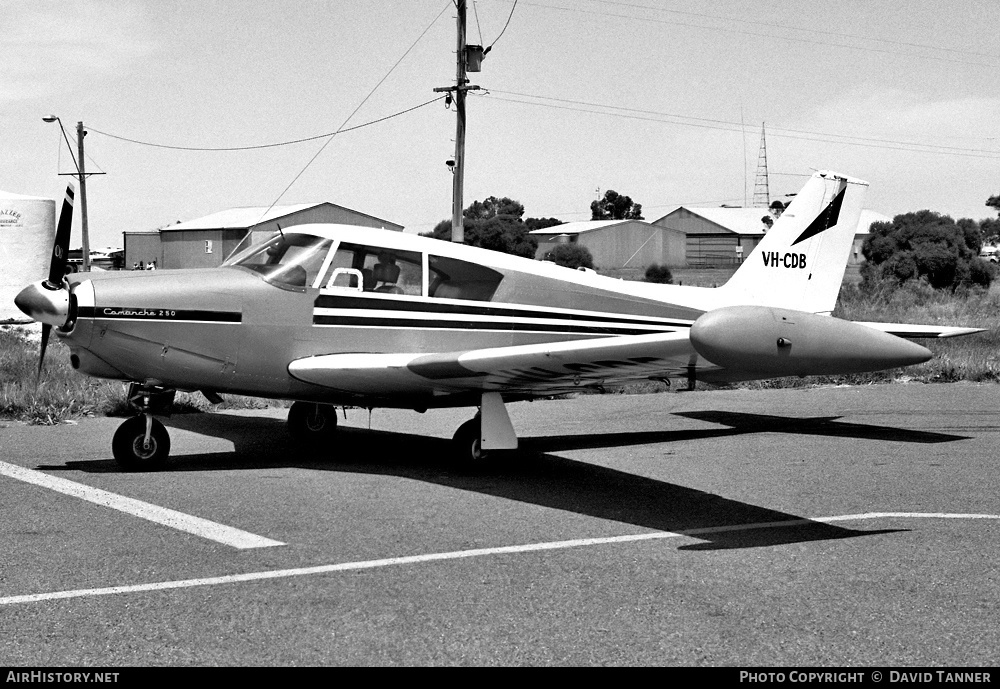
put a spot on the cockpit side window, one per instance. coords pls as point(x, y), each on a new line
point(375, 269)
point(451, 278)
point(292, 259)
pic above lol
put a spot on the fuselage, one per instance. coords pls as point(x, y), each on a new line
point(329, 289)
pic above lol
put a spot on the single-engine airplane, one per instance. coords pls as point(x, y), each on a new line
point(333, 315)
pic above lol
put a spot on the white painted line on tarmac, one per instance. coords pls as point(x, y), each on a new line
point(461, 554)
point(213, 531)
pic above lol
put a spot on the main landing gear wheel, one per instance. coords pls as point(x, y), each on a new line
point(467, 443)
point(312, 423)
point(133, 451)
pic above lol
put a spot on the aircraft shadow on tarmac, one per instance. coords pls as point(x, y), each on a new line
point(533, 476)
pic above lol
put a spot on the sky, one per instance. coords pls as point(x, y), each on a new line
point(663, 101)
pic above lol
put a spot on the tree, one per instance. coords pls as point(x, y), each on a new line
point(989, 231)
point(493, 208)
point(571, 256)
point(494, 224)
point(614, 206)
point(541, 223)
point(994, 202)
point(925, 245)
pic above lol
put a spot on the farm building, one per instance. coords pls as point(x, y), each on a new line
point(864, 227)
point(617, 243)
point(716, 236)
point(725, 236)
point(206, 242)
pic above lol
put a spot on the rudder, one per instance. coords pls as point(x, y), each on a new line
point(800, 263)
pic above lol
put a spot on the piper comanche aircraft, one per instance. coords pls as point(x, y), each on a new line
point(335, 315)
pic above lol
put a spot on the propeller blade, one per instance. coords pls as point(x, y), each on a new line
point(29, 301)
point(60, 249)
point(46, 329)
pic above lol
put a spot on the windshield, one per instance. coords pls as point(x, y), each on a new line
point(291, 259)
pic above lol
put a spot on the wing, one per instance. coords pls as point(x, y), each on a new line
point(532, 370)
point(913, 331)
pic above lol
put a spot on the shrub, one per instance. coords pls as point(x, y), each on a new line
point(925, 246)
point(658, 273)
point(571, 256)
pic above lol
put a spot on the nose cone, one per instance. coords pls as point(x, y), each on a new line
point(44, 303)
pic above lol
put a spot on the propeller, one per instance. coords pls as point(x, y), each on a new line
point(47, 301)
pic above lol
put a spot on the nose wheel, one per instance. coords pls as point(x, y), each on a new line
point(141, 443)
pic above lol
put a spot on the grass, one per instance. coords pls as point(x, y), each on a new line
point(973, 357)
point(63, 393)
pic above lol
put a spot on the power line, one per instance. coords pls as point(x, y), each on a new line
point(724, 125)
point(354, 112)
point(803, 29)
point(475, 11)
point(771, 36)
point(261, 146)
point(509, 17)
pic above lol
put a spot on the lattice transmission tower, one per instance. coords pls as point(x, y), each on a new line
point(761, 192)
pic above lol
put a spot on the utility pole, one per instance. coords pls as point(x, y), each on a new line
point(80, 133)
point(468, 57)
point(80, 173)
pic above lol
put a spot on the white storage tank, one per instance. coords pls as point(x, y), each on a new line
point(27, 229)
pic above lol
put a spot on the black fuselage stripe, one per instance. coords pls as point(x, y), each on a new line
point(374, 303)
point(420, 323)
point(150, 314)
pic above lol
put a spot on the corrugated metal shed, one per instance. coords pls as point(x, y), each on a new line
point(723, 236)
point(206, 242)
point(245, 218)
point(617, 243)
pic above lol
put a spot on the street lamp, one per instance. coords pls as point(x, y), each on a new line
point(81, 174)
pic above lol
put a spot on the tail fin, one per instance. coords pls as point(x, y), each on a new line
point(800, 262)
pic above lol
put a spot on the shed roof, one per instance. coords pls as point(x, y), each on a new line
point(584, 226)
point(747, 221)
point(869, 217)
point(742, 221)
point(240, 218)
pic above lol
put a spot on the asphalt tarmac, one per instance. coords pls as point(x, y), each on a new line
point(815, 527)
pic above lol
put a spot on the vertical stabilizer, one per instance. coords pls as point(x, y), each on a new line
point(800, 262)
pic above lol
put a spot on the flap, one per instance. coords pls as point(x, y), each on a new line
point(539, 368)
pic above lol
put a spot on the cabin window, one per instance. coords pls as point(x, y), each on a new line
point(376, 269)
point(291, 259)
point(451, 278)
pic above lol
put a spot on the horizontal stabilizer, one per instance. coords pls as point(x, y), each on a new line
point(914, 331)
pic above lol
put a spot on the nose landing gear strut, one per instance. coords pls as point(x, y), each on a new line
point(142, 442)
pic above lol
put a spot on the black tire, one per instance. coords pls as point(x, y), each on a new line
point(467, 445)
point(130, 450)
point(311, 423)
